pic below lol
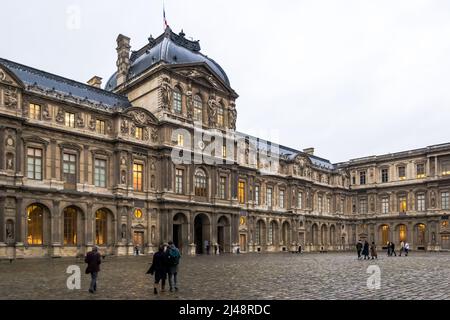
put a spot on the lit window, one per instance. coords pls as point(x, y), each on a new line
point(139, 133)
point(220, 118)
point(101, 227)
point(384, 175)
point(241, 192)
point(198, 109)
point(385, 205)
point(402, 173)
point(34, 164)
point(70, 226)
point(100, 173)
point(222, 187)
point(179, 173)
point(224, 151)
point(281, 200)
point(320, 204)
point(300, 200)
point(69, 167)
point(328, 205)
point(69, 119)
point(402, 201)
point(445, 224)
point(35, 111)
point(35, 223)
point(269, 197)
point(445, 200)
point(420, 168)
point(200, 183)
point(177, 101)
point(446, 168)
point(100, 126)
point(362, 177)
point(385, 234)
point(138, 170)
point(180, 140)
point(402, 233)
point(257, 201)
point(421, 202)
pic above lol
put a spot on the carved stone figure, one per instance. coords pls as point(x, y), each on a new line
point(10, 99)
point(109, 127)
point(212, 111)
point(9, 161)
point(189, 105)
point(233, 116)
point(46, 113)
point(166, 93)
point(123, 177)
point(154, 134)
point(92, 123)
point(60, 115)
point(146, 134)
point(124, 128)
point(132, 129)
point(80, 120)
point(433, 199)
point(9, 230)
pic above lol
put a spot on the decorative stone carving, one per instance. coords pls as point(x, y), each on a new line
point(146, 134)
point(189, 105)
point(80, 120)
point(91, 124)
point(152, 164)
point(9, 142)
point(212, 111)
point(140, 117)
point(9, 230)
point(166, 93)
point(123, 177)
point(9, 161)
point(2, 75)
point(124, 127)
point(433, 199)
point(154, 134)
point(133, 129)
point(60, 115)
point(46, 113)
point(233, 116)
point(11, 98)
point(109, 127)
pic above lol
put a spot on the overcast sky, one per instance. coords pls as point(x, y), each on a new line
point(350, 78)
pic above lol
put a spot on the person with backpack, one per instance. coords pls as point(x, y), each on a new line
point(173, 260)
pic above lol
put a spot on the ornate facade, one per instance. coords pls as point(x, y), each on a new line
point(83, 166)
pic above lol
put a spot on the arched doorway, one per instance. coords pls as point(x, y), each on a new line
point(401, 233)
point(315, 234)
point(332, 235)
point(384, 231)
point(104, 231)
point(286, 239)
point(38, 225)
point(420, 236)
point(323, 235)
point(73, 226)
point(223, 235)
point(202, 237)
point(180, 232)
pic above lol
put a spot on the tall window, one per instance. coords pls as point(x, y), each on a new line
point(402, 232)
point(363, 205)
point(35, 111)
point(421, 234)
point(69, 167)
point(200, 183)
point(300, 200)
point(269, 197)
point(258, 232)
point(402, 202)
point(222, 187)
point(34, 164)
point(342, 205)
point(101, 227)
point(70, 226)
point(445, 168)
point(281, 200)
point(385, 205)
point(402, 172)
point(384, 234)
point(100, 173)
point(220, 118)
point(69, 119)
point(224, 151)
point(257, 201)
point(445, 200)
point(179, 173)
point(271, 230)
point(241, 192)
point(198, 108)
point(384, 175)
point(180, 140)
point(138, 170)
point(35, 220)
point(320, 204)
point(420, 170)
point(139, 133)
point(100, 126)
point(328, 205)
point(177, 101)
point(362, 177)
point(421, 202)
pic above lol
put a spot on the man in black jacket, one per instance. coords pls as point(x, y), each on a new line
point(93, 259)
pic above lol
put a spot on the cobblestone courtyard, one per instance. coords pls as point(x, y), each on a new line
point(245, 276)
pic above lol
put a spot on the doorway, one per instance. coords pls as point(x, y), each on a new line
point(243, 242)
point(445, 242)
point(138, 240)
point(201, 234)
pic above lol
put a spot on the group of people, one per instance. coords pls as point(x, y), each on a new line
point(364, 248)
point(164, 265)
point(404, 248)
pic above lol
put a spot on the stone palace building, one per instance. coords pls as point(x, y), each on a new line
point(83, 166)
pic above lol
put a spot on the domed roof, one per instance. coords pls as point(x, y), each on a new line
point(169, 48)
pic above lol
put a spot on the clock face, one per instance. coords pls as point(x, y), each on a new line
point(242, 221)
point(138, 213)
point(201, 145)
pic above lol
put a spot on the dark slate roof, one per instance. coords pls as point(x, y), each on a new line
point(47, 81)
point(169, 48)
point(288, 153)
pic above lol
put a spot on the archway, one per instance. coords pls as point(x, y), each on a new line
point(260, 233)
point(323, 235)
point(202, 238)
point(401, 233)
point(286, 238)
point(180, 232)
point(38, 225)
point(384, 234)
point(104, 230)
point(315, 234)
point(332, 235)
point(223, 235)
point(73, 226)
point(420, 239)
point(273, 238)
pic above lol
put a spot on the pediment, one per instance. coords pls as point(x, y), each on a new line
point(9, 78)
point(141, 116)
point(302, 160)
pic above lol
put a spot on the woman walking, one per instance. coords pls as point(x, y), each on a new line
point(373, 251)
point(159, 268)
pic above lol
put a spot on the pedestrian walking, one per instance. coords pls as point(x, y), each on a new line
point(406, 248)
point(373, 251)
point(359, 248)
point(393, 249)
point(93, 260)
point(173, 260)
point(402, 248)
point(159, 269)
point(365, 251)
point(389, 253)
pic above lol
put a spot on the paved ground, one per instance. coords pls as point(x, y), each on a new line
point(251, 276)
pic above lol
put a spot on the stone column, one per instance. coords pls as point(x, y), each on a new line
point(19, 153)
point(86, 165)
point(56, 223)
point(89, 226)
point(2, 147)
point(53, 158)
point(21, 228)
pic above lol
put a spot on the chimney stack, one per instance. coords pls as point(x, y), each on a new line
point(123, 58)
point(95, 82)
point(309, 151)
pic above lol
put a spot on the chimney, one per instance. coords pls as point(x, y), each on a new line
point(309, 151)
point(123, 58)
point(95, 82)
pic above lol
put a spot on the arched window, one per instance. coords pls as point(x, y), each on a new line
point(177, 100)
point(421, 234)
point(198, 108)
point(220, 118)
point(35, 220)
point(101, 227)
point(384, 234)
point(259, 232)
point(200, 183)
point(402, 232)
point(271, 232)
point(70, 226)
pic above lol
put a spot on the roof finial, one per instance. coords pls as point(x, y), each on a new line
point(182, 34)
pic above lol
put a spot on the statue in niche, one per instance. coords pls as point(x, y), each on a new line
point(92, 124)
point(233, 116)
point(9, 230)
point(124, 128)
point(124, 231)
point(166, 93)
point(189, 105)
point(433, 199)
point(212, 111)
point(46, 113)
point(9, 161)
point(123, 177)
point(80, 120)
point(60, 115)
point(10, 99)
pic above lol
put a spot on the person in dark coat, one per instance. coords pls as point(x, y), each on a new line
point(373, 251)
point(93, 259)
point(365, 251)
point(159, 268)
point(393, 249)
point(359, 247)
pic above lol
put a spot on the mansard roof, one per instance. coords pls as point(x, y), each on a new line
point(32, 77)
point(169, 48)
